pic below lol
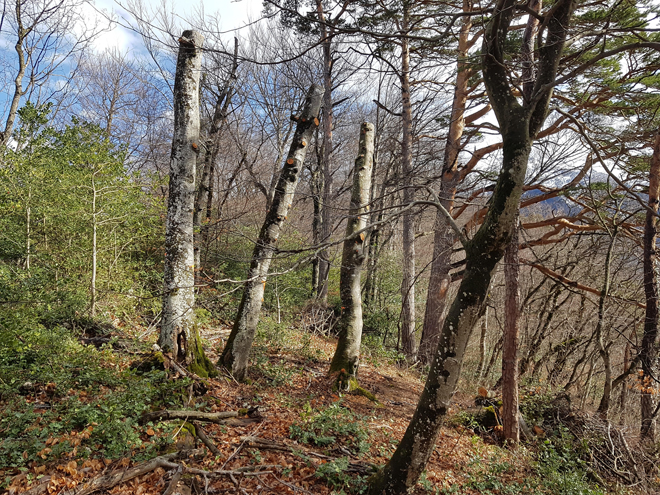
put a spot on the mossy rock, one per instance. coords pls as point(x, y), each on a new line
point(186, 438)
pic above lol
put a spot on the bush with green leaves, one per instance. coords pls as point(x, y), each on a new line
point(52, 386)
point(334, 425)
point(561, 465)
point(335, 474)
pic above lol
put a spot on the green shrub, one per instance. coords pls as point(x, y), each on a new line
point(53, 387)
point(335, 474)
point(330, 426)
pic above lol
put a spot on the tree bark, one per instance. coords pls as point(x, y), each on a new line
point(408, 276)
point(237, 350)
point(649, 341)
point(519, 124)
point(510, 343)
point(327, 118)
point(178, 334)
point(603, 348)
point(482, 343)
point(443, 241)
point(347, 354)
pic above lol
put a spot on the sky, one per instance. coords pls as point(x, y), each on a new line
point(233, 14)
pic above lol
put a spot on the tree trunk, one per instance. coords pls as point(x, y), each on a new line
point(237, 350)
point(482, 344)
point(326, 226)
point(408, 276)
point(178, 334)
point(603, 348)
point(518, 124)
point(649, 341)
point(316, 188)
point(92, 303)
point(347, 354)
point(510, 343)
point(443, 241)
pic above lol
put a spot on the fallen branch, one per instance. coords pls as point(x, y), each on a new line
point(201, 434)
point(260, 443)
point(114, 478)
point(174, 483)
point(221, 418)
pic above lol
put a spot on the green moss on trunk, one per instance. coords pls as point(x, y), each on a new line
point(348, 383)
point(200, 364)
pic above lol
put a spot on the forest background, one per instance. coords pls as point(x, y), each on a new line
point(571, 312)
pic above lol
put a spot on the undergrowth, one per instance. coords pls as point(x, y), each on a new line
point(60, 399)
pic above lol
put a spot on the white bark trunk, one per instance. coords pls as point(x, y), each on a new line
point(237, 351)
point(347, 354)
point(179, 298)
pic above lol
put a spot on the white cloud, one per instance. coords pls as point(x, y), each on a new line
point(231, 13)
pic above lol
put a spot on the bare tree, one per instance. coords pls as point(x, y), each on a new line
point(347, 353)
point(45, 41)
point(237, 349)
point(179, 335)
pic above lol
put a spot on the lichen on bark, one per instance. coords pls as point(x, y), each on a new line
point(178, 334)
point(235, 355)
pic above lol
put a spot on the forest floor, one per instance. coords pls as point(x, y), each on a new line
point(300, 438)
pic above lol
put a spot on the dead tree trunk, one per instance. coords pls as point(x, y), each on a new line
point(408, 276)
point(178, 334)
point(237, 350)
point(649, 341)
point(510, 342)
point(519, 124)
point(347, 354)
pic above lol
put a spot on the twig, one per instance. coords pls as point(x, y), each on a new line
point(238, 449)
point(292, 486)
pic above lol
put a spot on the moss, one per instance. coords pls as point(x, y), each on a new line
point(186, 438)
point(349, 383)
point(242, 412)
point(365, 393)
point(154, 361)
point(201, 365)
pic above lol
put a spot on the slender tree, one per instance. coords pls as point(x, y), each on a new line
point(510, 341)
point(237, 350)
point(649, 341)
point(347, 354)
